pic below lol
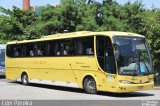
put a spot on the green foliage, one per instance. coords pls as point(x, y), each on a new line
point(153, 34)
point(80, 15)
point(18, 24)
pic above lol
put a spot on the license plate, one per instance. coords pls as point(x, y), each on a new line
point(140, 87)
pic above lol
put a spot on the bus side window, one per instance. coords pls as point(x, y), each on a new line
point(48, 49)
point(57, 48)
point(79, 47)
point(51, 49)
point(62, 48)
point(9, 51)
point(89, 45)
point(16, 53)
point(23, 54)
point(69, 48)
point(12, 51)
point(30, 49)
point(41, 48)
point(85, 46)
point(17, 50)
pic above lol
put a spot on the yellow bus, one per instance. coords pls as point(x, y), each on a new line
point(94, 61)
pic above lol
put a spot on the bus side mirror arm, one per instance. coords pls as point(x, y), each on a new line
point(117, 53)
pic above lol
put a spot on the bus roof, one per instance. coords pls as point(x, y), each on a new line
point(78, 34)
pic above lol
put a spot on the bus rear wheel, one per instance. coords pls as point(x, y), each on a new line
point(90, 85)
point(25, 79)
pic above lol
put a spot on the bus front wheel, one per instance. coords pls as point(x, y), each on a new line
point(90, 85)
point(25, 79)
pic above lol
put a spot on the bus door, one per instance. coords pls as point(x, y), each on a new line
point(106, 60)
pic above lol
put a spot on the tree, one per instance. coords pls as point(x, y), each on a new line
point(20, 24)
point(153, 34)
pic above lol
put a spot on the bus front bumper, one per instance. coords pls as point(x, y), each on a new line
point(122, 88)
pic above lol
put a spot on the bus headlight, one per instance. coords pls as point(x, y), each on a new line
point(124, 82)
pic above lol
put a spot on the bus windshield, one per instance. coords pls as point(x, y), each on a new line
point(134, 56)
point(2, 57)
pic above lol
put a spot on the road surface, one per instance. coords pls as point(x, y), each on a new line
point(12, 90)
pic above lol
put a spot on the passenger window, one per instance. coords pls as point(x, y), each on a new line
point(39, 49)
point(57, 48)
point(30, 50)
point(105, 54)
point(69, 48)
point(85, 46)
point(65, 47)
point(17, 51)
point(79, 47)
point(62, 47)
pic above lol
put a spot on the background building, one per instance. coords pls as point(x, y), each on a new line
point(26, 4)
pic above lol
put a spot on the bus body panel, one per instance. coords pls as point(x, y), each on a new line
point(64, 69)
point(73, 70)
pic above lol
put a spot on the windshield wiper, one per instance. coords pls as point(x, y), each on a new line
point(145, 66)
point(139, 64)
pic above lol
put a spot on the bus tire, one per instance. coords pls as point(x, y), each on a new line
point(89, 85)
point(24, 79)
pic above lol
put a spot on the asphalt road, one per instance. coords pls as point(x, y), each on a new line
point(12, 90)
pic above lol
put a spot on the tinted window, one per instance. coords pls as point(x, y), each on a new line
point(85, 46)
point(27, 49)
point(14, 50)
point(64, 47)
point(105, 54)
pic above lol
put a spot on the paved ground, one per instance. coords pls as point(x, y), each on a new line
point(13, 90)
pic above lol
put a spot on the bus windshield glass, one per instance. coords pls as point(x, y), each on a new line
point(2, 57)
point(134, 56)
